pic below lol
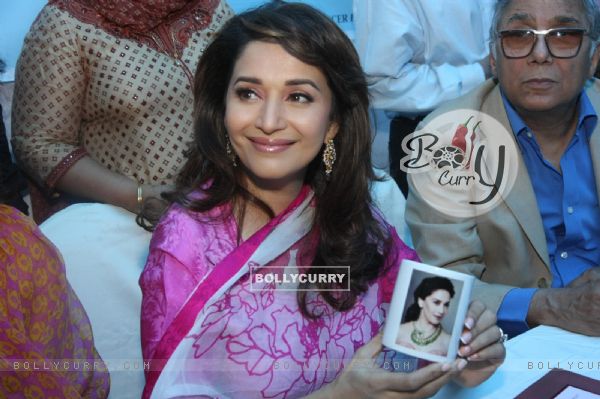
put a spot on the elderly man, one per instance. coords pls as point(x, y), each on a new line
point(536, 253)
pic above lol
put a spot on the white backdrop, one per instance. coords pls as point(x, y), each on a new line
point(17, 16)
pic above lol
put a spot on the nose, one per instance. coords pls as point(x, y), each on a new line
point(540, 51)
point(271, 117)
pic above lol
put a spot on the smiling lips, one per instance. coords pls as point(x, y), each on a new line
point(264, 144)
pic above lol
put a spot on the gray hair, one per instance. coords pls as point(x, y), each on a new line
point(590, 8)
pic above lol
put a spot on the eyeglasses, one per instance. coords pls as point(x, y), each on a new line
point(561, 42)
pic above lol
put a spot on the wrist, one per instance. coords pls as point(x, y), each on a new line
point(544, 307)
point(139, 197)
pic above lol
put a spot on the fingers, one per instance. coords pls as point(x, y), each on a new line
point(494, 353)
point(430, 388)
point(485, 320)
point(483, 334)
point(431, 377)
point(475, 310)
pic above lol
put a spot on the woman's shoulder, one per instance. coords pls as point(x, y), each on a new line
point(55, 28)
point(56, 17)
point(405, 328)
point(181, 228)
point(178, 218)
point(403, 337)
point(445, 338)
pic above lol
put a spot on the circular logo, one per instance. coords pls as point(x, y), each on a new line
point(461, 162)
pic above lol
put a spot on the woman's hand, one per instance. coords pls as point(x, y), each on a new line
point(482, 346)
point(89, 179)
point(362, 378)
point(155, 190)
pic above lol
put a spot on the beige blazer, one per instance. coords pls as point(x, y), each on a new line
point(506, 247)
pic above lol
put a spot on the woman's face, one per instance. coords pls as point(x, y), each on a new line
point(435, 306)
point(277, 114)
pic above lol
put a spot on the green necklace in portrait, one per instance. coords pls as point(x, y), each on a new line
point(417, 336)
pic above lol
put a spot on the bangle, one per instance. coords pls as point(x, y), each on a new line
point(140, 197)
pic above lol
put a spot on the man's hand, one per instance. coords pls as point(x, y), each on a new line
point(575, 308)
point(589, 275)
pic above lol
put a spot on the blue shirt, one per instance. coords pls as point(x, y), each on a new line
point(568, 204)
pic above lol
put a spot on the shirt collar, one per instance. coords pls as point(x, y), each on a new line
point(586, 123)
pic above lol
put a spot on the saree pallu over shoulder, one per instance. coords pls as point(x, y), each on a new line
point(262, 247)
point(236, 338)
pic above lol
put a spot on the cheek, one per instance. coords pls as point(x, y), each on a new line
point(228, 117)
point(581, 69)
point(505, 71)
point(317, 129)
point(235, 120)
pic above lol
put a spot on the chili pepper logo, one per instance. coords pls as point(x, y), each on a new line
point(455, 155)
point(461, 162)
point(459, 138)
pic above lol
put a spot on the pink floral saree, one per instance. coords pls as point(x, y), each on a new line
point(208, 333)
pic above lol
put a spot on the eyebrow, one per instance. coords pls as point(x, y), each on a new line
point(524, 17)
point(566, 19)
point(519, 17)
point(291, 82)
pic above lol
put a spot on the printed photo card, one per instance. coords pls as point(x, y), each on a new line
point(427, 312)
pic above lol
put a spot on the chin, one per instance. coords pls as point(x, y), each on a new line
point(271, 177)
point(542, 103)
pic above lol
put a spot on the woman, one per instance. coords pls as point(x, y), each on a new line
point(279, 175)
point(46, 342)
point(102, 107)
point(422, 328)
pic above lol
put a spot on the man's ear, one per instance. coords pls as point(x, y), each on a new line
point(594, 61)
point(493, 61)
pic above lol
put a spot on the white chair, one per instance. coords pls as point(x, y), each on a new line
point(104, 252)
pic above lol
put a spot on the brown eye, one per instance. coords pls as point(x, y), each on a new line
point(300, 98)
point(246, 94)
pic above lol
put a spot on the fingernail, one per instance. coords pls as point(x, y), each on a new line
point(466, 337)
point(446, 366)
point(462, 363)
point(474, 356)
point(469, 322)
point(465, 350)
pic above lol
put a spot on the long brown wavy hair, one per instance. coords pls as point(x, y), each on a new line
point(349, 233)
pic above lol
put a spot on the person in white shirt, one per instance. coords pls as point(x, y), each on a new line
point(419, 54)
